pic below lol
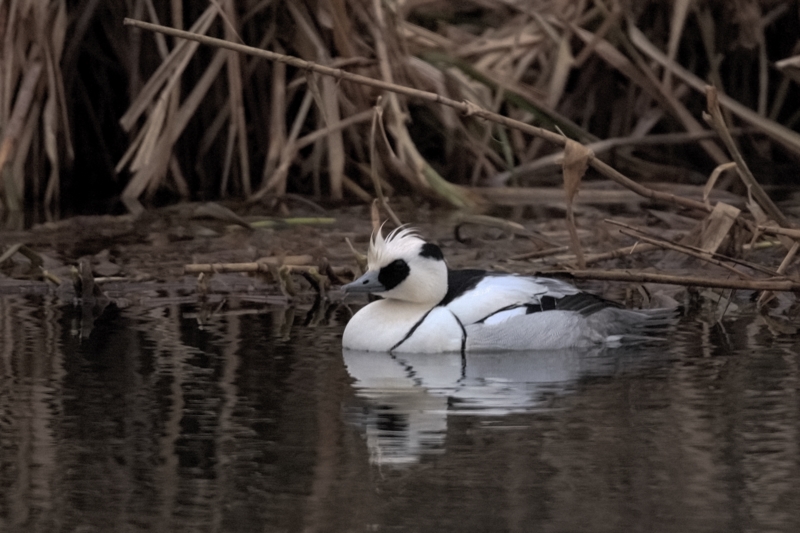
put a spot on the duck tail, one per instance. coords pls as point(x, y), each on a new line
point(634, 325)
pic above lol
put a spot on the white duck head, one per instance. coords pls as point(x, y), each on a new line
point(403, 267)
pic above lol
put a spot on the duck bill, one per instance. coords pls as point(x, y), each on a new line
point(367, 283)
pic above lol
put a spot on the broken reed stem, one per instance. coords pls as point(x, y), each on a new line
point(773, 230)
point(717, 121)
point(686, 281)
point(468, 108)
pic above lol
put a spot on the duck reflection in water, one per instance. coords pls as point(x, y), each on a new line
point(408, 397)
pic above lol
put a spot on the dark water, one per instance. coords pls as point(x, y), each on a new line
point(256, 421)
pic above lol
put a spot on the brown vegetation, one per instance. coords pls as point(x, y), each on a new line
point(209, 123)
point(472, 104)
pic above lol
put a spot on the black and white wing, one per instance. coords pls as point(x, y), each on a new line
point(477, 296)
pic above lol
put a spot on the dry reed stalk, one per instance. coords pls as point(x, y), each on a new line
point(515, 60)
point(680, 8)
point(36, 133)
point(575, 163)
point(377, 115)
point(277, 122)
point(238, 127)
point(277, 181)
point(12, 132)
point(425, 177)
point(753, 187)
point(643, 77)
point(327, 99)
point(294, 145)
point(156, 166)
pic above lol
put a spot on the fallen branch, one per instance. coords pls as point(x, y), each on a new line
point(686, 281)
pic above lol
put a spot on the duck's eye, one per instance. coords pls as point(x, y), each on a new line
point(393, 274)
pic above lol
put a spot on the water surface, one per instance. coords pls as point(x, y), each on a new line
point(251, 418)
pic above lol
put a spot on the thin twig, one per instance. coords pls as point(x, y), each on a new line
point(540, 254)
point(684, 250)
point(377, 117)
point(687, 281)
point(718, 123)
point(694, 251)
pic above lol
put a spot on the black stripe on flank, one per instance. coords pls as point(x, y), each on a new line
point(393, 274)
point(431, 251)
point(412, 330)
point(463, 334)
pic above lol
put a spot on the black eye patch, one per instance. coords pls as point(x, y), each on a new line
point(432, 251)
point(393, 274)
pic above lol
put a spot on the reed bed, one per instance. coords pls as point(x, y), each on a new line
point(472, 104)
point(154, 115)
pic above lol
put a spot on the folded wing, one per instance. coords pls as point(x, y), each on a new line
point(477, 296)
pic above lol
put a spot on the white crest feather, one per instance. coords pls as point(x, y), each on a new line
point(399, 243)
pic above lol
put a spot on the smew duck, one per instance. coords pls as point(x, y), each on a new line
point(427, 308)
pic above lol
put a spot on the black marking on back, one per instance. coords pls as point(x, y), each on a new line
point(583, 303)
point(533, 308)
point(412, 330)
point(393, 274)
point(432, 251)
point(506, 308)
point(548, 303)
point(461, 281)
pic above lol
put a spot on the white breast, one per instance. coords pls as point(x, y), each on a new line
point(386, 325)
